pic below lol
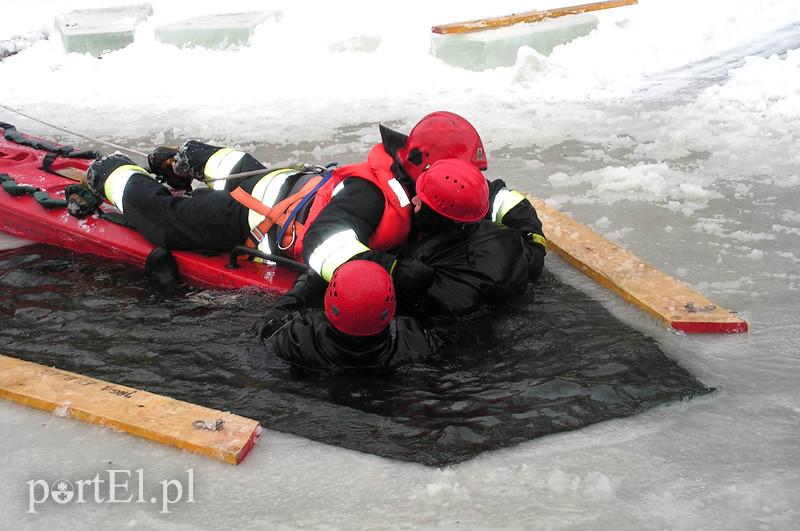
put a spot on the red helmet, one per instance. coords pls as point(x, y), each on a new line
point(441, 135)
point(455, 189)
point(360, 299)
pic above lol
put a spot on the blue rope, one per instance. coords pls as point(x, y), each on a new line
point(302, 203)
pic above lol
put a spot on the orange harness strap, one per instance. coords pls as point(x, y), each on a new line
point(276, 214)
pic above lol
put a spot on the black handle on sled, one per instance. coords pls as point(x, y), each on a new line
point(241, 250)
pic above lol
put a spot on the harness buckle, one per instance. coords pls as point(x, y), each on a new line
point(257, 235)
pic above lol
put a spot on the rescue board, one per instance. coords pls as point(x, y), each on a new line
point(665, 298)
point(220, 435)
point(527, 17)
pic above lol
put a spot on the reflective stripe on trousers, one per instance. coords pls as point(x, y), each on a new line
point(115, 184)
point(221, 164)
point(266, 191)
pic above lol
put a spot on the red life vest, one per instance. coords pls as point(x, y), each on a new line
point(395, 225)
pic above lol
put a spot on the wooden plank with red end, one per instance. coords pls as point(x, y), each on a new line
point(223, 436)
point(528, 16)
point(638, 282)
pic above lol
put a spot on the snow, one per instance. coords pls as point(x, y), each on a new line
point(684, 152)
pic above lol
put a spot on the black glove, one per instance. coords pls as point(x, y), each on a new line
point(161, 163)
point(412, 278)
point(99, 170)
point(270, 323)
point(535, 253)
point(191, 158)
point(308, 291)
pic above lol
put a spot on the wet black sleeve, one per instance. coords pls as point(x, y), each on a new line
point(295, 342)
point(308, 292)
point(412, 342)
point(359, 206)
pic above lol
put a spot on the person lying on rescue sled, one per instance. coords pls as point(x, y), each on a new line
point(357, 329)
point(320, 218)
point(323, 220)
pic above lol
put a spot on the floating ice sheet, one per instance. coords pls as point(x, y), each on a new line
point(485, 49)
point(215, 31)
point(97, 31)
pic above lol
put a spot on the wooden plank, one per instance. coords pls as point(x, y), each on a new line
point(148, 415)
point(638, 282)
point(76, 174)
point(528, 16)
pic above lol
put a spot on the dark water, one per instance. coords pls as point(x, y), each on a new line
point(553, 360)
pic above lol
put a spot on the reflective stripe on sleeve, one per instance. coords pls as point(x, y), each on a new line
point(335, 251)
point(504, 201)
point(114, 187)
point(220, 164)
point(266, 190)
point(338, 188)
point(400, 192)
point(541, 240)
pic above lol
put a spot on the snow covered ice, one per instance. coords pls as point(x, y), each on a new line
point(673, 128)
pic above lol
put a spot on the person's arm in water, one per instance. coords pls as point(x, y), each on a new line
point(307, 292)
point(512, 209)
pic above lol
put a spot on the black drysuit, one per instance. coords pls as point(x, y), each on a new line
point(305, 338)
point(309, 341)
point(475, 265)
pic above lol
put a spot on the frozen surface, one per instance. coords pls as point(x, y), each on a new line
point(498, 47)
point(700, 178)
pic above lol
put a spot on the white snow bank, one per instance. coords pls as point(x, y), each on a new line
point(290, 84)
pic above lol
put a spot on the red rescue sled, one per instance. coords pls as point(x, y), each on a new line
point(24, 217)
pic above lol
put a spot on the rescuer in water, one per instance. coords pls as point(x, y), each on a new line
point(357, 329)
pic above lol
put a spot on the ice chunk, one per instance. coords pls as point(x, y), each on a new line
point(97, 31)
point(480, 50)
point(215, 31)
